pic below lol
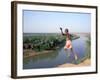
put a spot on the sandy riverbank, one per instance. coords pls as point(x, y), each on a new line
point(86, 62)
point(30, 53)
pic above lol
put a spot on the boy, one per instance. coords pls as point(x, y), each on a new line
point(68, 44)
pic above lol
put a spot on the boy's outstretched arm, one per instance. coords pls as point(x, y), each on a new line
point(61, 31)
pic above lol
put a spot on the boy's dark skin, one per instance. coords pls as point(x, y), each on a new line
point(66, 33)
point(68, 37)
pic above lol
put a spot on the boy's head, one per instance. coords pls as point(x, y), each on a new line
point(66, 30)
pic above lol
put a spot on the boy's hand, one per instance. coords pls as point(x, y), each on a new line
point(60, 28)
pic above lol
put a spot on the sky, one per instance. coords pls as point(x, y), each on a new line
point(50, 22)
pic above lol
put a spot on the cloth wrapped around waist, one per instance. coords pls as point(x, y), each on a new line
point(68, 44)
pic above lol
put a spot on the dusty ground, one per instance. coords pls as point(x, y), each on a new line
point(87, 62)
point(30, 53)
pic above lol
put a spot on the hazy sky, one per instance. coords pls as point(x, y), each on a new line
point(49, 22)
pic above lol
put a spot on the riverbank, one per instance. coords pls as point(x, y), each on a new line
point(86, 62)
point(31, 53)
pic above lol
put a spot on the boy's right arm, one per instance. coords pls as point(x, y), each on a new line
point(61, 31)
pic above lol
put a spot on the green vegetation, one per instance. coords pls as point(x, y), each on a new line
point(88, 46)
point(45, 42)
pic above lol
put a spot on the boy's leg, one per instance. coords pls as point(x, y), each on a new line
point(75, 55)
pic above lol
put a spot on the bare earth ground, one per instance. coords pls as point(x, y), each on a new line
point(87, 62)
point(30, 53)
